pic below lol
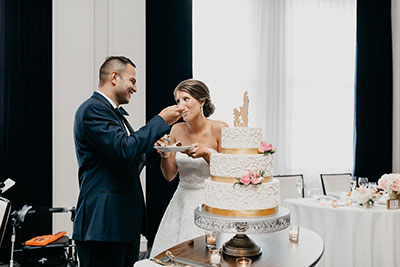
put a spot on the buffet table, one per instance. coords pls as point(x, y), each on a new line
point(277, 250)
point(353, 236)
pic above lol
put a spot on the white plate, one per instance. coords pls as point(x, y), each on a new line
point(172, 148)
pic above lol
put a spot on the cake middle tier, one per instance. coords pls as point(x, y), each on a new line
point(237, 165)
point(241, 200)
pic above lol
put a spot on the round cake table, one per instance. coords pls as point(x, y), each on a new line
point(278, 250)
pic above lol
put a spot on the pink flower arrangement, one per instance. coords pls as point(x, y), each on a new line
point(363, 196)
point(251, 178)
point(266, 148)
point(390, 183)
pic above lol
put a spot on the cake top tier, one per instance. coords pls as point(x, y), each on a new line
point(241, 137)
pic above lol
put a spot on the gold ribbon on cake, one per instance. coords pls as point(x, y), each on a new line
point(239, 151)
point(240, 213)
point(232, 180)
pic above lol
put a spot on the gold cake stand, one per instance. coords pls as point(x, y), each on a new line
point(240, 244)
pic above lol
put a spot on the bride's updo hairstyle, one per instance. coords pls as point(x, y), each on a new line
point(199, 91)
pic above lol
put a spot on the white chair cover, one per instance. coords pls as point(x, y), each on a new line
point(288, 187)
point(336, 182)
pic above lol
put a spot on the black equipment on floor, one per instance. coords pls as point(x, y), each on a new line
point(60, 253)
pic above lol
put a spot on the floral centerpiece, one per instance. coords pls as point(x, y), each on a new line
point(251, 178)
point(390, 183)
point(364, 196)
point(266, 148)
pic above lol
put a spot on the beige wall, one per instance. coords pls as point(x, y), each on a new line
point(84, 33)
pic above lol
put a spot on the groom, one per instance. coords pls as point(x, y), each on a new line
point(111, 155)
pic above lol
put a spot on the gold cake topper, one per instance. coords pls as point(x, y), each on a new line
point(241, 116)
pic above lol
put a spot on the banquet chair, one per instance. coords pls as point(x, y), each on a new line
point(335, 182)
point(288, 186)
point(5, 208)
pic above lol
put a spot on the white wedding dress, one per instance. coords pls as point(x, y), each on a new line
point(177, 224)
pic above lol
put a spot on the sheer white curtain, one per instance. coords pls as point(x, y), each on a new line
point(224, 53)
point(296, 59)
point(324, 34)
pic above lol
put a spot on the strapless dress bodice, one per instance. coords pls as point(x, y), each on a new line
point(192, 171)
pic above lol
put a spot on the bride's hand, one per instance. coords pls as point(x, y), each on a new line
point(198, 151)
point(163, 141)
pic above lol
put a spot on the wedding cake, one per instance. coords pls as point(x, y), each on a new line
point(241, 182)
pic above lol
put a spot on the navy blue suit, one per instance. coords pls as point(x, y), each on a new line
point(110, 206)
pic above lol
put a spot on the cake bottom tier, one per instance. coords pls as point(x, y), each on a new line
point(241, 200)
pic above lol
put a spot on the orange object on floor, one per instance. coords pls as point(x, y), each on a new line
point(43, 240)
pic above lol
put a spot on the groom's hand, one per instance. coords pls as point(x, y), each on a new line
point(171, 114)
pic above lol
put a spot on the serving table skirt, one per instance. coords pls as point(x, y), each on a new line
point(353, 236)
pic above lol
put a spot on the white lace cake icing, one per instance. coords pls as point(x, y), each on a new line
point(239, 157)
point(237, 165)
point(239, 197)
point(241, 137)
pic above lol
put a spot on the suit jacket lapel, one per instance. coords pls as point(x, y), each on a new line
point(128, 126)
point(141, 159)
point(122, 121)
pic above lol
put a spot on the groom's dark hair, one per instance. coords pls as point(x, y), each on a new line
point(113, 63)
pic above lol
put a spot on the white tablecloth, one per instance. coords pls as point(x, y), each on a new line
point(353, 236)
point(146, 263)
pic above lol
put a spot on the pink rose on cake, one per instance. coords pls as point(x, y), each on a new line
point(251, 178)
point(266, 148)
point(245, 179)
point(255, 177)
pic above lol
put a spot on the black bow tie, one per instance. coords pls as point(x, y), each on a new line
point(122, 111)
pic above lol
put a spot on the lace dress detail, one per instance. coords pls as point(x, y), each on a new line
point(177, 224)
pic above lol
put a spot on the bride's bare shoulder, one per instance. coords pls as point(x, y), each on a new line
point(176, 131)
point(177, 128)
point(217, 125)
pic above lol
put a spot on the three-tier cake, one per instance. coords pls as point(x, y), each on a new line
point(241, 157)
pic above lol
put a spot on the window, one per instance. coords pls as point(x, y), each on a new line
point(296, 59)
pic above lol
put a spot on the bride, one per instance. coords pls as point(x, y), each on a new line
point(204, 135)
